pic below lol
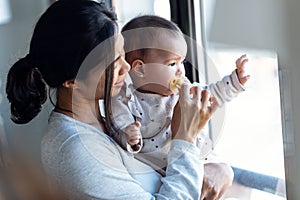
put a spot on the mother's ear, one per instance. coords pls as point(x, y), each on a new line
point(137, 68)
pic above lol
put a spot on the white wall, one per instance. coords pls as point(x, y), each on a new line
point(290, 59)
point(14, 39)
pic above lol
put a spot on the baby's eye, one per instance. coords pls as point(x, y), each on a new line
point(172, 64)
point(184, 61)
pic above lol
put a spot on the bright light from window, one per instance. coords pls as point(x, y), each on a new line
point(162, 8)
point(5, 14)
point(252, 133)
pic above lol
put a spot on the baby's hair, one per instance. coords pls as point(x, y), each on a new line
point(135, 40)
point(63, 37)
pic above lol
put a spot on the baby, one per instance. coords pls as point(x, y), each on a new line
point(155, 48)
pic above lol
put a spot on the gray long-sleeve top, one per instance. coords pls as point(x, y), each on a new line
point(88, 164)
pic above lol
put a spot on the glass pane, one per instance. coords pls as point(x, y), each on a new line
point(251, 135)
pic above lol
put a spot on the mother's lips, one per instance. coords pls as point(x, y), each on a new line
point(120, 83)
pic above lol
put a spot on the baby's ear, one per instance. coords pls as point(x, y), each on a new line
point(137, 68)
point(69, 84)
point(137, 63)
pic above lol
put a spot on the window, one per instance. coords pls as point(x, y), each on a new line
point(140, 7)
point(248, 131)
point(251, 135)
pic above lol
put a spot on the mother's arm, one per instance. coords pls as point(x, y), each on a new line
point(95, 167)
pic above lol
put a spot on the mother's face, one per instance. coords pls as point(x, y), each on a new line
point(93, 86)
point(121, 68)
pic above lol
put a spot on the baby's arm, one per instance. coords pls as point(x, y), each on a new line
point(122, 118)
point(230, 86)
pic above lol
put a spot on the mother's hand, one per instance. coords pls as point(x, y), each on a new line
point(217, 179)
point(191, 113)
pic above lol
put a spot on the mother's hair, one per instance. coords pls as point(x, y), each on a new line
point(63, 37)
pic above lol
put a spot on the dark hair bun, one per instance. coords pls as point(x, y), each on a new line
point(26, 91)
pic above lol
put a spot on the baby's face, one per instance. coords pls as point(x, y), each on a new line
point(168, 59)
point(159, 66)
point(157, 71)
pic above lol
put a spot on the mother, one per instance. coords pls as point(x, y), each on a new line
point(77, 50)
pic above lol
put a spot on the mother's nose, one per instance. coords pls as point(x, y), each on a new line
point(125, 66)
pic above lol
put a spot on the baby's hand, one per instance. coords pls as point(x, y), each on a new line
point(241, 71)
point(133, 133)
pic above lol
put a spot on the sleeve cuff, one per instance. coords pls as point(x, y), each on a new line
point(178, 147)
point(129, 148)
